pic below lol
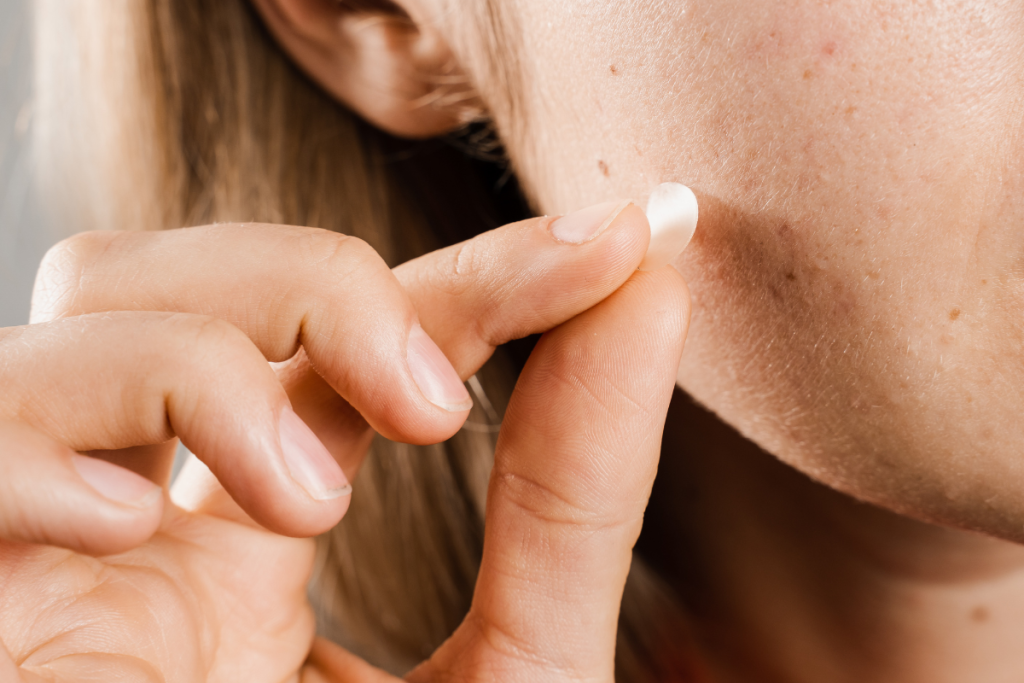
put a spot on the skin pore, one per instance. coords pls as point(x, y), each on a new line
point(857, 272)
point(857, 287)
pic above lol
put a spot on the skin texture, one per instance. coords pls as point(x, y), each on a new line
point(857, 271)
point(857, 290)
point(857, 287)
point(192, 588)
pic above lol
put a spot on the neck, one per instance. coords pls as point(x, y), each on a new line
point(790, 581)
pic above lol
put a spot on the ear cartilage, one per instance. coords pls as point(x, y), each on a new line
point(672, 213)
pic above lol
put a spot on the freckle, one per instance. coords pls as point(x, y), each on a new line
point(808, 74)
point(603, 167)
point(980, 614)
point(954, 314)
point(614, 69)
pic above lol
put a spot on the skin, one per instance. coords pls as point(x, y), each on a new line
point(857, 273)
point(857, 295)
point(856, 282)
point(191, 587)
point(857, 291)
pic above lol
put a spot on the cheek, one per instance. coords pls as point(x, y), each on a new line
point(858, 156)
point(858, 164)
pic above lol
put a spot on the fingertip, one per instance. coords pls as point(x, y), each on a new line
point(434, 374)
point(624, 243)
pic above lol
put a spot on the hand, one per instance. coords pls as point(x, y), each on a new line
point(575, 462)
point(74, 520)
point(578, 453)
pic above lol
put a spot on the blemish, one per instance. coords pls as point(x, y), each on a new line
point(614, 69)
point(954, 314)
point(980, 614)
point(851, 110)
point(829, 48)
point(791, 276)
point(603, 167)
point(808, 74)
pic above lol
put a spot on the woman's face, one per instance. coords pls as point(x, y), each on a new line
point(858, 273)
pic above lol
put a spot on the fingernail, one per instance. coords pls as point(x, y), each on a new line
point(434, 374)
point(116, 483)
point(308, 461)
point(672, 213)
point(586, 224)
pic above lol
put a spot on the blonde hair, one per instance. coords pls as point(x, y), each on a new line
point(158, 114)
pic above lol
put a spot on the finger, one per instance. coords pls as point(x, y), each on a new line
point(521, 279)
point(115, 380)
point(502, 285)
point(283, 287)
point(574, 466)
point(51, 495)
point(512, 282)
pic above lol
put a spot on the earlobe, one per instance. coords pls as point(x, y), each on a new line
point(395, 71)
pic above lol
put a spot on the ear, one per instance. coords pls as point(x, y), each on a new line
point(381, 58)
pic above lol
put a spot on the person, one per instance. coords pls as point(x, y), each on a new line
point(839, 503)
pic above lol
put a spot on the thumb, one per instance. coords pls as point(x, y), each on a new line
point(573, 471)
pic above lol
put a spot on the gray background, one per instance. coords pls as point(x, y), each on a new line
point(25, 233)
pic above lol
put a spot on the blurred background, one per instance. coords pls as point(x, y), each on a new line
point(25, 233)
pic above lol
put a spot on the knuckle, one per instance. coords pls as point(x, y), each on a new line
point(545, 503)
point(341, 262)
point(339, 254)
point(460, 273)
point(509, 647)
point(482, 290)
point(205, 338)
point(59, 282)
point(352, 258)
